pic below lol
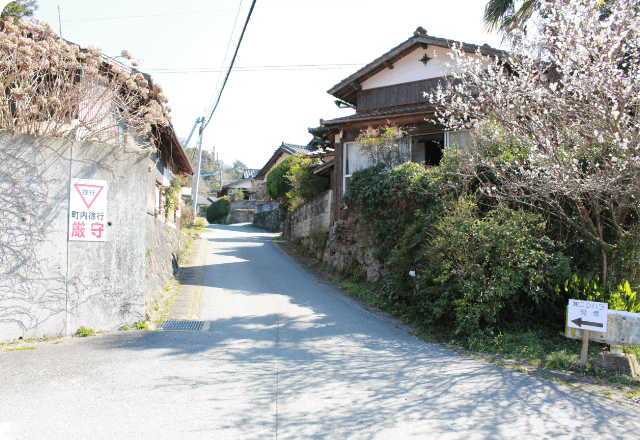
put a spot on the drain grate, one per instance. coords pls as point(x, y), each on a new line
point(182, 326)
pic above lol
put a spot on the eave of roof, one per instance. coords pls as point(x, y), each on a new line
point(325, 167)
point(346, 89)
point(408, 110)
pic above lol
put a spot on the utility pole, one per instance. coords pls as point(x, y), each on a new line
point(194, 197)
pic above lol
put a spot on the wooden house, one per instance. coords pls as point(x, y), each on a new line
point(391, 89)
point(245, 184)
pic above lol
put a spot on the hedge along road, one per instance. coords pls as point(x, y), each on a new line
point(284, 357)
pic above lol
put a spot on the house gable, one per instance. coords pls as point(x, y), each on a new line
point(410, 68)
point(398, 66)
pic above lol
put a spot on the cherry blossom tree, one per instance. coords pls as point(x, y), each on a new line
point(556, 122)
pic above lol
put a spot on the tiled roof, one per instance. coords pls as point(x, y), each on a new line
point(249, 173)
point(374, 113)
point(293, 149)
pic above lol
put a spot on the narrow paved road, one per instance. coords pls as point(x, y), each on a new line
point(284, 358)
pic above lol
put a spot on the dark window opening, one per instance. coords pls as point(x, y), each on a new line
point(428, 149)
point(433, 153)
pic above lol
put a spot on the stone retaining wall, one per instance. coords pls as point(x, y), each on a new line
point(164, 250)
point(314, 216)
point(349, 249)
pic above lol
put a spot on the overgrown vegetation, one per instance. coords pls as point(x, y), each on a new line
point(172, 195)
point(539, 209)
point(238, 194)
point(83, 332)
point(54, 88)
point(293, 183)
point(218, 210)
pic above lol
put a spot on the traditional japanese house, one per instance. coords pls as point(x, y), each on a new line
point(390, 90)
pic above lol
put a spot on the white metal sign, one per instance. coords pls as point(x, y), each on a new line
point(88, 210)
point(587, 315)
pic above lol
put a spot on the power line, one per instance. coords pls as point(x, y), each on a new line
point(233, 60)
point(257, 68)
point(205, 12)
point(233, 30)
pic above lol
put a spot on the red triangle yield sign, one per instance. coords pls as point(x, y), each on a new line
point(81, 185)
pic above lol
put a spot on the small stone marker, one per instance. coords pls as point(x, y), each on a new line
point(587, 316)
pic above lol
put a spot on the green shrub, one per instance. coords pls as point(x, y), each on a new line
point(305, 186)
point(480, 272)
point(218, 210)
point(200, 223)
point(293, 183)
point(83, 332)
point(238, 194)
point(277, 184)
point(391, 200)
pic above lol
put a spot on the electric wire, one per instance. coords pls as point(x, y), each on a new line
point(233, 31)
point(233, 60)
point(205, 12)
point(295, 67)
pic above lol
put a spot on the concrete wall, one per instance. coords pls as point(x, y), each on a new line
point(47, 284)
point(266, 207)
point(315, 215)
point(268, 216)
point(241, 211)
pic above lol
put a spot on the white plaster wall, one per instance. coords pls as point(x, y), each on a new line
point(244, 184)
point(409, 68)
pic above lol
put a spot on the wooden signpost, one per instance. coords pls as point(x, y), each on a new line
point(587, 316)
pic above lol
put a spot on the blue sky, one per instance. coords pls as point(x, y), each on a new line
point(183, 45)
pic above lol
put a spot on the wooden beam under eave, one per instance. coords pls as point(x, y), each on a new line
point(355, 86)
point(388, 65)
point(424, 45)
point(383, 120)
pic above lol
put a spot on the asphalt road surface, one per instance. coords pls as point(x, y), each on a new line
point(284, 357)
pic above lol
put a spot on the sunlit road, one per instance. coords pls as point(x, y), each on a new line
point(284, 357)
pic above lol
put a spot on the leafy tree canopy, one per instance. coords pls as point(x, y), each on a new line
point(19, 9)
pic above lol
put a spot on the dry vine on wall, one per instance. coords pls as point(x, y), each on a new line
point(55, 89)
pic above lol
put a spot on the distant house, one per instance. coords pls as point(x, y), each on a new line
point(281, 153)
point(245, 184)
point(391, 89)
point(202, 204)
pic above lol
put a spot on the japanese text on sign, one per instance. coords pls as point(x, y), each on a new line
point(87, 210)
point(587, 315)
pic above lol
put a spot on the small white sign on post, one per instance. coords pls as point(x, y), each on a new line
point(88, 210)
point(587, 315)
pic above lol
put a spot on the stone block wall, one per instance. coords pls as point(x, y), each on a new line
point(269, 220)
point(349, 249)
point(314, 216)
point(164, 248)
